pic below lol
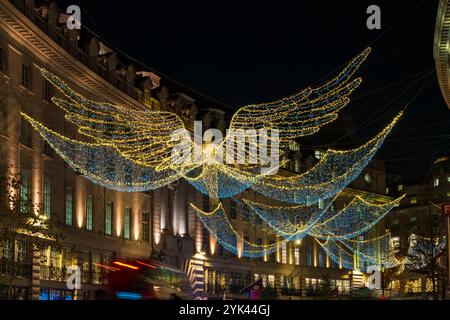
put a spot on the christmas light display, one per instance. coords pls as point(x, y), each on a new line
point(422, 250)
point(327, 178)
point(320, 221)
point(294, 222)
point(357, 254)
point(221, 228)
point(337, 232)
point(133, 150)
point(144, 137)
point(356, 218)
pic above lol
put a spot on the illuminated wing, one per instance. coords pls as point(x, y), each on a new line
point(304, 113)
point(143, 137)
point(104, 165)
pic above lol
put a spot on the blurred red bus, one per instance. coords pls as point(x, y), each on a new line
point(144, 280)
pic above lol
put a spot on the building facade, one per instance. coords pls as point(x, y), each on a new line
point(420, 214)
point(100, 225)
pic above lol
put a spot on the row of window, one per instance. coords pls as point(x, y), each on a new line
point(26, 75)
point(437, 181)
point(69, 209)
point(108, 218)
point(343, 286)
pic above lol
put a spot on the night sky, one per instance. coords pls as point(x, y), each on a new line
point(254, 52)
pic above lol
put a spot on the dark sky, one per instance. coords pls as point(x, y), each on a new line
point(242, 52)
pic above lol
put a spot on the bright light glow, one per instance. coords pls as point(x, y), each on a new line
point(126, 265)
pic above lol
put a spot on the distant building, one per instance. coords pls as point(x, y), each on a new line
point(420, 214)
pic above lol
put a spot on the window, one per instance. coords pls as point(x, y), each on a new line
point(2, 117)
point(387, 190)
point(271, 280)
point(436, 182)
point(2, 60)
point(48, 91)
point(368, 178)
point(448, 194)
point(89, 212)
point(395, 243)
point(297, 256)
point(448, 179)
point(318, 154)
point(127, 223)
point(55, 257)
point(145, 223)
point(400, 187)
point(24, 191)
point(6, 249)
point(25, 133)
point(26, 76)
point(297, 165)
point(321, 258)
point(309, 256)
point(21, 253)
point(108, 218)
point(69, 206)
point(413, 200)
point(283, 253)
point(233, 210)
point(47, 198)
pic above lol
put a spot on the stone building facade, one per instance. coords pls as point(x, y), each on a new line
point(100, 225)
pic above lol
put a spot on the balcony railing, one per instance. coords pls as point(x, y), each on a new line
point(15, 269)
point(69, 46)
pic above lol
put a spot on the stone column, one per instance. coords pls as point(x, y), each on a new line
point(35, 272)
point(156, 199)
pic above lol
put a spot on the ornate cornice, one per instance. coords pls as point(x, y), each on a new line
point(441, 48)
point(55, 58)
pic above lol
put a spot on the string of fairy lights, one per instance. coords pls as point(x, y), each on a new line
point(133, 150)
